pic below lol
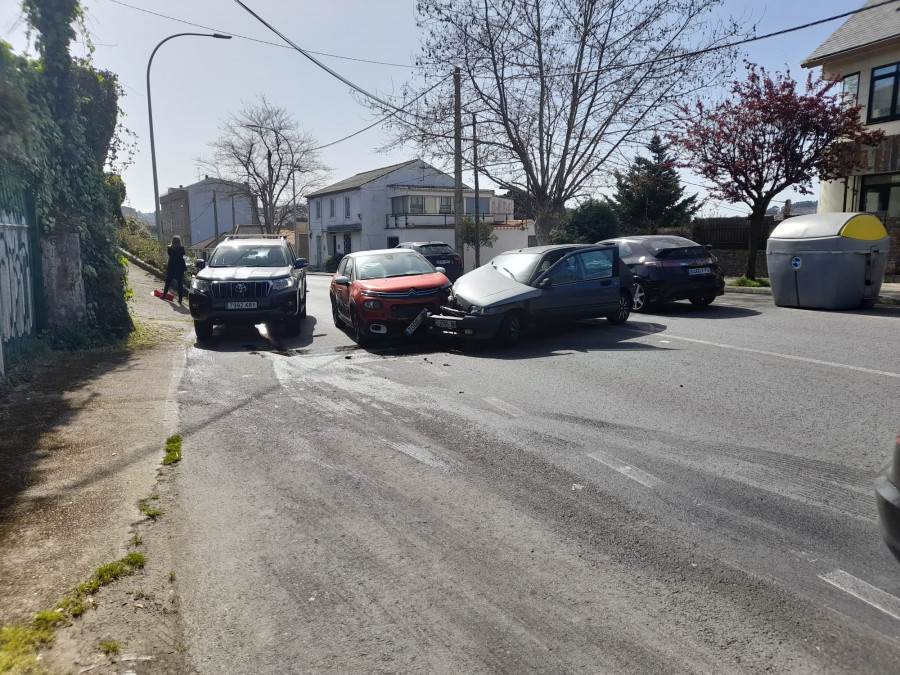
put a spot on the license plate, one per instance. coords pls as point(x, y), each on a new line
point(699, 270)
point(411, 328)
point(443, 262)
point(240, 305)
point(444, 323)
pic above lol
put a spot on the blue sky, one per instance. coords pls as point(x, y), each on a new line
point(197, 82)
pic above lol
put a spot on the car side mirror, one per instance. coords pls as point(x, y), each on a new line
point(545, 283)
point(342, 281)
point(709, 246)
point(199, 264)
point(441, 270)
point(300, 263)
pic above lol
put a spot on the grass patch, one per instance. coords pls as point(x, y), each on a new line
point(172, 576)
point(137, 541)
point(150, 511)
point(751, 283)
point(19, 642)
point(109, 647)
point(173, 450)
point(141, 338)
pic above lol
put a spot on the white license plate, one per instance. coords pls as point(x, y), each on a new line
point(443, 262)
point(444, 323)
point(699, 270)
point(240, 305)
point(411, 328)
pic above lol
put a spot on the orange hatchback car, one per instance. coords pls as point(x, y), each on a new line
point(390, 292)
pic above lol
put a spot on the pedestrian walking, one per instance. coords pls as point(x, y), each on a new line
point(175, 268)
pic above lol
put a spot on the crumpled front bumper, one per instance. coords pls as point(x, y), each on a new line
point(458, 324)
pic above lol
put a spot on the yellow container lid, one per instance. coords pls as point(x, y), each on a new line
point(864, 226)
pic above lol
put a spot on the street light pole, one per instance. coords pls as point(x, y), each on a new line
point(219, 36)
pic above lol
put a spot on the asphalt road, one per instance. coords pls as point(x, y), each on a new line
point(691, 491)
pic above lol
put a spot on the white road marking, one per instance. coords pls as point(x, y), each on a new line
point(763, 352)
point(508, 408)
point(868, 593)
point(642, 477)
point(435, 370)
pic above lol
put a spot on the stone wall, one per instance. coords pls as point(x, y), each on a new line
point(63, 280)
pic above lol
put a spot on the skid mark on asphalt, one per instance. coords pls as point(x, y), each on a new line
point(508, 408)
point(635, 474)
point(420, 455)
point(868, 593)
point(763, 352)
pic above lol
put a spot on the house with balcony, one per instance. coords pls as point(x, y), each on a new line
point(410, 201)
point(863, 54)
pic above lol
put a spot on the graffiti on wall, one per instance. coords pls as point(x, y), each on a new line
point(16, 294)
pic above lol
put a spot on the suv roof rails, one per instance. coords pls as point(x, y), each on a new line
point(254, 236)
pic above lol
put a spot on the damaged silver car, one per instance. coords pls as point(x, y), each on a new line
point(526, 287)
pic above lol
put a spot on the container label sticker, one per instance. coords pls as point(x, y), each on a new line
point(796, 262)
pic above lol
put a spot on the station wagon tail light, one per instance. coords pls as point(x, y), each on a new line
point(372, 304)
point(652, 263)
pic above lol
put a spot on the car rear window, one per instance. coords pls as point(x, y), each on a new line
point(675, 248)
point(436, 249)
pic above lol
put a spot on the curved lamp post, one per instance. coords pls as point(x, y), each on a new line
point(219, 36)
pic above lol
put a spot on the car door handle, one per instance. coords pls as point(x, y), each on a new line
point(608, 282)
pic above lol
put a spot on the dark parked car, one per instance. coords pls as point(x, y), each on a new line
point(385, 293)
point(438, 254)
point(528, 286)
point(670, 268)
point(888, 497)
point(253, 279)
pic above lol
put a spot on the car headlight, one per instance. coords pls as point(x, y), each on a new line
point(281, 284)
point(370, 294)
point(199, 285)
point(477, 311)
point(372, 304)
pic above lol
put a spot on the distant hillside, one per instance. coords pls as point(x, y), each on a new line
point(797, 208)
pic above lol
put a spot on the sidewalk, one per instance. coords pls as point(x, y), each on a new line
point(889, 294)
point(81, 444)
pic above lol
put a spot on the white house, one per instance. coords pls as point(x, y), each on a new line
point(410, 201)
point(202, 210)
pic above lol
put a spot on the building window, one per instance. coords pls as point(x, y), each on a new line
point(346, 207)
point(332, 208)
point(883, 94)
point(484, 205)
point(417, 204)
point(850, 90)
point(881, 194)
point(318, 209)
point(398, 204)
point(446, 205)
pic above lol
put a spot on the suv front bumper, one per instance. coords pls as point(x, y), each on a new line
point(278, 306)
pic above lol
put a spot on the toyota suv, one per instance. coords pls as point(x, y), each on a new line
point(252, 279)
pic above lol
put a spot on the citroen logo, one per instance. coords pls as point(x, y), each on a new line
point(412, 291)
point(241, 288)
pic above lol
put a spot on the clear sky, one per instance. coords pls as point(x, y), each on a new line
point(197, 82)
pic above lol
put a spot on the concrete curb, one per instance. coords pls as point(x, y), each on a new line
point(882, 300)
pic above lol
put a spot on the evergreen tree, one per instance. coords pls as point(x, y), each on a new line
point(588, 223)
point(650, 195)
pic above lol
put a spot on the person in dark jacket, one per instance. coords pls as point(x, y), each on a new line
point(175, 268)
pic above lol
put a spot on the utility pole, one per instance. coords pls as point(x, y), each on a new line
point(458, 206)
point(215, 216)
point(477, 196)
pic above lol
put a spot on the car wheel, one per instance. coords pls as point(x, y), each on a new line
point(293, 325)
point(704, 301)
point(511, 328)
point(639, 302)
point(203, 329)
point(624, 310)
point(359, 337)
point(302, 313)
point(338, 321)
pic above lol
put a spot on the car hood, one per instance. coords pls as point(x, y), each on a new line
point(400, 284)
point(243, 273)
point(486, 286)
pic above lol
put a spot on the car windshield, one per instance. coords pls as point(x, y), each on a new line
point(248, 256)
point(519, 266)
point(385, 265)
point(436, 249)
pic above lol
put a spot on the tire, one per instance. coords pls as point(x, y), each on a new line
point(359, 337)
point(639, 302)
point(293, 325)
point(511, 328)
point(704, 301)
point(621, 316)
point(338, 321)
point(302, 314)
point(203, 329)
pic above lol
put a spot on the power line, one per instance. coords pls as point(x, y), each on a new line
point(265, 42)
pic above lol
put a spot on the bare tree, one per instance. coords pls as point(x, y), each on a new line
point(263, 155)
point(559, 86)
